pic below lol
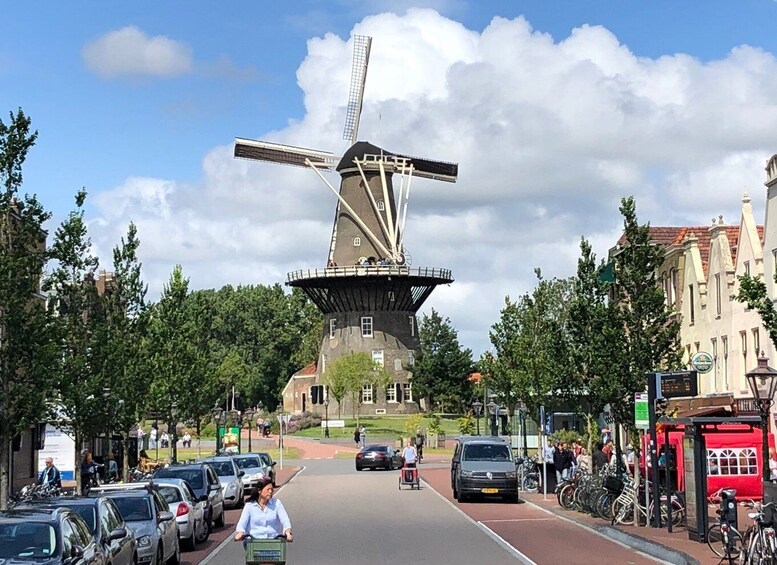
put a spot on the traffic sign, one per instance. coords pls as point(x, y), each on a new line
point(702, 362)
point(641, 410)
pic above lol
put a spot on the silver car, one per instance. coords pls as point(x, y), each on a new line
point(231, 479)
point(189, 511)
point(253, 467)
point(149, 517)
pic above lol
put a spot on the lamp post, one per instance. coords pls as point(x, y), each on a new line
point(326, 415)
point(477, 408)
point(174, 437)
point(522, 417)
point(248, 416)
point(217, 412)
point(493, 411)
point(236, 419)
point(763, 384)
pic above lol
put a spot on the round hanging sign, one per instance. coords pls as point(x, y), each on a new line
point(702, 362)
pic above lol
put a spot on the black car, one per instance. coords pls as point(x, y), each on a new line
point(204, 481)
point(379, 457)
point(47, 536)
point(103, 519)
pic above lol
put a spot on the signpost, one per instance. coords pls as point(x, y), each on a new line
point(283, 420)
point(702, 362)
point(641, 411)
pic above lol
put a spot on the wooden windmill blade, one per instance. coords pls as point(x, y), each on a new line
point(431, 169)
point(361, 59)
point(284, 154)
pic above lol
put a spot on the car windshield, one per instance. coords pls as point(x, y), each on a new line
point(87, 513)
point(133, 508)
point(223, 468)
point(248, 462)
point(376, 448)
point(28, 541)
point(170, 493)
point(487, 452)
point(191, 476)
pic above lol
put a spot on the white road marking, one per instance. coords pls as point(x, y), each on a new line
point(519, 520)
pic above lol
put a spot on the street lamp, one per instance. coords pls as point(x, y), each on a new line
point(522, 417)
point(493, 411)
point(477, 408)
point(249, 416)
point(326, 422)
point(217, 413)
point(763, 384)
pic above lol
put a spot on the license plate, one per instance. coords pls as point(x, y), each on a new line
point(489, 490)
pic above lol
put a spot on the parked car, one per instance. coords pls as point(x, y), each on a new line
point(112, 535)
point(230, 477)
point(204, 481)
point(251, 464)
point(269, 465)
point(193, 527)
point(379, 457)
point(148, 515)
point(52, 536)
point(483, 466)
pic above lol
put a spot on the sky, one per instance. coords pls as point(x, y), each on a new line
point(553, 110)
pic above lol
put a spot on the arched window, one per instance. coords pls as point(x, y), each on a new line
point(357, 241)
point(381, 205)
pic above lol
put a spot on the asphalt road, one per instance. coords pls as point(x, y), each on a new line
point(341, 517)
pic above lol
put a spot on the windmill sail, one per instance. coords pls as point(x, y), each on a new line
point(361, 58)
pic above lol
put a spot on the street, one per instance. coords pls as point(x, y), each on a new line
point(344, 517)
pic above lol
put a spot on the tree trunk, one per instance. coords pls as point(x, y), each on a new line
point(78, 459)
point(125, 460)
point(174, 443)
point(5, 461)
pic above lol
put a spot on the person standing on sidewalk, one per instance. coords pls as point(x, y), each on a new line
point(363, 436)
point(356, 436)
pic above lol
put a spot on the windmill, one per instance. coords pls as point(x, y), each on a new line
point(368, 292)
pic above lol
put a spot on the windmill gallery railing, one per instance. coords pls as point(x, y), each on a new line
point(370, 271)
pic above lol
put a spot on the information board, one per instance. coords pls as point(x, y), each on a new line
point(62, 449)
point(679, 384)
point(641, 411)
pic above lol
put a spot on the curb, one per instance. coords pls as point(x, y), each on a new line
point(648, 547)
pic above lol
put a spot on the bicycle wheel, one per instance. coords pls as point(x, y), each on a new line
point(566, 497)
point(604, 506)
point(724, 544)
point(622, 512)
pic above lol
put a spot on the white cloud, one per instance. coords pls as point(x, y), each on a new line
point(130, 52)
point(549, 136)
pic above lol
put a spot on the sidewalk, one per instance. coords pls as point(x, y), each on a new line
point(656, 542)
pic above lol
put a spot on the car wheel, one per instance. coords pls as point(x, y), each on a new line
point(455, 492)
point(204, 532)
point(220, 520)
point(175, 558)
point(159, 555)
point(358, 468)
point(190, 543)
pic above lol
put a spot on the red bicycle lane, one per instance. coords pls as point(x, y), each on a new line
point(538, 534)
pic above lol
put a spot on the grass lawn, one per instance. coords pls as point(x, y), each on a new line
point(193, 453)
point(380, 426)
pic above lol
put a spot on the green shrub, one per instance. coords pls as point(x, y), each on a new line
point(467, 424)
point(566, 436)
point(435, 425)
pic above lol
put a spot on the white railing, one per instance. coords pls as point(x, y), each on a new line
point(369, 270)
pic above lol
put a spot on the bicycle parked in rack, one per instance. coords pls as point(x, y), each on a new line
point(760, 541)
point(724, 539)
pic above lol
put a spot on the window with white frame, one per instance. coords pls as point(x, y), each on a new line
point(743, 339)
point(381, 205)
point(391, 296)
point(691, 305)
point(756, 341)
point(367, 397)
point(675, 287)
point(407, 392)
point(412, 325)
point(332, 327)
point(397, 364)
point(714, 348)
point(366, 326)
point(732, 461)
point(774, 260)
point(410, 357)
point(747, 267)
point(377, 356)
point(718, 290)
point(357, 241)
point(391, 393)
point(323, 363)
point(724, 345)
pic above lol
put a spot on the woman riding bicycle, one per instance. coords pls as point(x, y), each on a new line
point(263, 517)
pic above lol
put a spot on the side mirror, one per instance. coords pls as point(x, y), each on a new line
point(273, 464)
point(118, 533)
point(165, 516)
point(203, 498)
point(215, 487)
point(241, 473)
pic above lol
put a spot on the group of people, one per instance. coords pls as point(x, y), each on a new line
point(566, 459)
point(157, 440)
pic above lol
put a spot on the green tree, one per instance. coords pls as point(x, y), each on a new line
point(648, 329)
point(27, 354)
point(73, 299)
point(126, 323)
point(442, 367)
point(752, 291)
point(171, 351)
point(349, 374)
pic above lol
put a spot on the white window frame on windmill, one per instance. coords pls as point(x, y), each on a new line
point(368, 394)
point(366, 326)
point(357, 241)
point(412, 326)
point(407, 392)
point(332, 328)
point(411, 357)
point(391, 393)
point(377, 356)
point(381, 205)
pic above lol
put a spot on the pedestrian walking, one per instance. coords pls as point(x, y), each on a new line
point(363, 436)
point(356, 436)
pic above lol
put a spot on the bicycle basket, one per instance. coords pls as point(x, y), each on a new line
point(261, 551)
point(613, 484)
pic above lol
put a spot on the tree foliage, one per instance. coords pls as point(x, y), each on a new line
point(348, 374)
point(442, 366)
point(26, 348)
